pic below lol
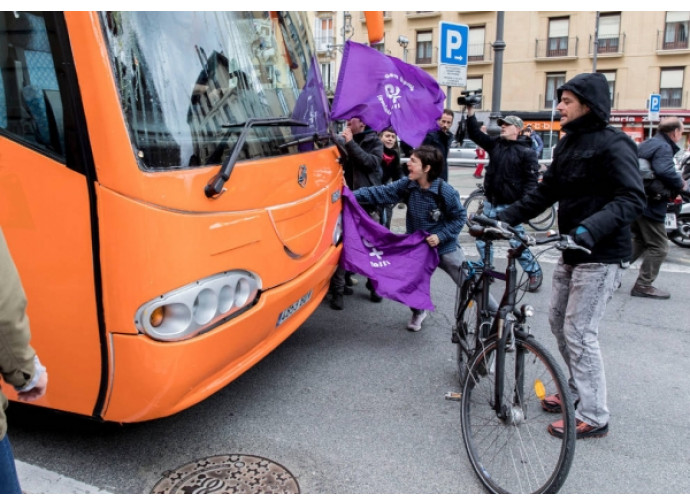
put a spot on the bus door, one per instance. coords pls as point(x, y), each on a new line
point(45, 203)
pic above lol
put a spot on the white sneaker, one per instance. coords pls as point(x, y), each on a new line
point(416, 321)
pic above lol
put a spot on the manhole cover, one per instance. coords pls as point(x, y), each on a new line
point(228, 474)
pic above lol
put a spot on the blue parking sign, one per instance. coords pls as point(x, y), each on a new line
point(655, 103)
point(453, 44)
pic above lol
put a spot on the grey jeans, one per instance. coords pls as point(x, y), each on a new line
point(578, 302)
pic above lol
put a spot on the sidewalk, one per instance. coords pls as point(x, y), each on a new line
point(35, 480)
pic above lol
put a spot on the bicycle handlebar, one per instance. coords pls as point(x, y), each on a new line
point(505, 231)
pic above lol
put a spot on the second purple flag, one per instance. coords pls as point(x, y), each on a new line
point(385, 91)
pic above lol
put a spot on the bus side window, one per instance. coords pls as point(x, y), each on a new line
point(31, 103)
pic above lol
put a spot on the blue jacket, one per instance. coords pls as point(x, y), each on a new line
point(421, 207)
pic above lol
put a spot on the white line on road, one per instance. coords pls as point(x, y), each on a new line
point(35, 480)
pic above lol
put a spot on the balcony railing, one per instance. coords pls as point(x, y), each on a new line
point(479, 53)
point(324, 43)
point(608, 45)
point(679, 43)
point(556, 47)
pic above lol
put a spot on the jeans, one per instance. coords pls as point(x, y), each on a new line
point(9, 482)
point(578, 302)
point(526, 260)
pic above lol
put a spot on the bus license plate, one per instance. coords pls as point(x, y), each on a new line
point(290, 310)
point(670, 222)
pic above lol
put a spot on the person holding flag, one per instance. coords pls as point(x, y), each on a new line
point(362, 167)
point(433, 207)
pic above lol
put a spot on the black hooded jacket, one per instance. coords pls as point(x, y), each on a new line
point(594, 177)
point(513, 166)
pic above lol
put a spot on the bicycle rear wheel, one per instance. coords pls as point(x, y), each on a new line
point(516, 454)
point(467, 323)
point(544, 220)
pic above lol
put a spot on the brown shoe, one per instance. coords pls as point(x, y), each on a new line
point(553, 403)
point(582, 430)
point(649, 292)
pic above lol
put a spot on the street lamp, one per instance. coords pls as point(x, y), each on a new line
point(403, 41)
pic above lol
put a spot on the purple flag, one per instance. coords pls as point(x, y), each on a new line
point(399, 266)
point(311, 106)
point(385, 91)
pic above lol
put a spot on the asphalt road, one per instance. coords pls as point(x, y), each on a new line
point(353, 403)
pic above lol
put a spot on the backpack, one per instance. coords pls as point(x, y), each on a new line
point(654, 189)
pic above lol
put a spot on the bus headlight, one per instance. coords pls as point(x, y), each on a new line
point(194, 308)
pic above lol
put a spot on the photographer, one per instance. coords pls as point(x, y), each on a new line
point(511, 173)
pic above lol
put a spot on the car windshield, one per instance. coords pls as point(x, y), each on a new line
point(189, 81)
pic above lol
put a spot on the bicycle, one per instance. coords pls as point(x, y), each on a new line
point(474, 204)
point(509, 373)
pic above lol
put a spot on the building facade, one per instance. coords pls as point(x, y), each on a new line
point(640, 53)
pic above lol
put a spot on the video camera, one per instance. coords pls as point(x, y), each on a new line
point(471, 98)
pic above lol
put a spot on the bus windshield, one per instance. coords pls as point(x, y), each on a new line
point(189, 81)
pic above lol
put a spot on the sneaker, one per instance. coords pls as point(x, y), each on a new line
point(337, 302)
point(535, 280)
point(649, 292)
point(582, 430)
point(416, 321)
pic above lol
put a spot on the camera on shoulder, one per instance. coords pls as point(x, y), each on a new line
point(470, 98)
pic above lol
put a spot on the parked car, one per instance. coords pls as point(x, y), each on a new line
point(466, 150)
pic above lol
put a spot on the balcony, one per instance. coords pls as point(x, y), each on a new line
point(324, 43)
point(608, 46)
point(678, 44)
point(478, 54)
point(556, 48)
point(422, 14)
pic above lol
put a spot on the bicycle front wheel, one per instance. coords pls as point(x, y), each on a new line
point(544, 220)
point(513, 452)
point(474, 204)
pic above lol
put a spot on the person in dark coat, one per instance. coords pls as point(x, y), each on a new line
point(649, 232)
point(441, 138)
point(362, 168)
point(511, 172)
point(596, 180)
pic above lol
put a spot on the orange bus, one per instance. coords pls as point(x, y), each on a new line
point(171, 221)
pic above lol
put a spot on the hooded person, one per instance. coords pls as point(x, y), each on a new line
point(595, 179)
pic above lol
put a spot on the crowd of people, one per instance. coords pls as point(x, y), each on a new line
point(594, 177)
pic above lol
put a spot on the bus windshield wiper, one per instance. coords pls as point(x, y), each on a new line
point(215, 185)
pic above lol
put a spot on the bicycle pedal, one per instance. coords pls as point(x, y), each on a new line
point(453, 396)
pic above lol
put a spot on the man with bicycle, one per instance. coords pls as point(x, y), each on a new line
point(595, 178)
point(512, 172)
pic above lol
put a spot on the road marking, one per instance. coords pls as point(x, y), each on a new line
point(36, 480)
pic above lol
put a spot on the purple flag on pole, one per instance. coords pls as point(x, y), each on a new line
point(385, 91)
point(399, 266)
point(311, 107)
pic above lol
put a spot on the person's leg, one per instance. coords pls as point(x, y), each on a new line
point(9, 482)
point(654, 235)
point(451, 263)
point(579, 298)
point(526, 260)
point(337, 288)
